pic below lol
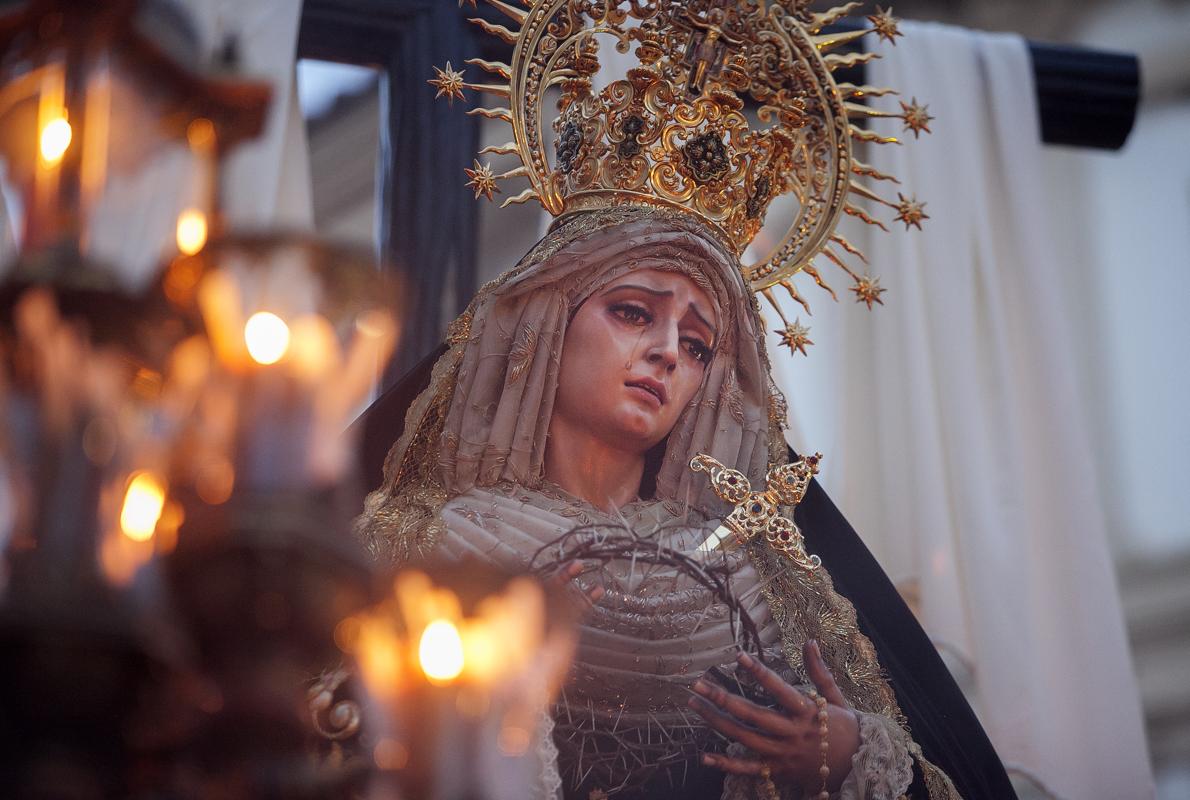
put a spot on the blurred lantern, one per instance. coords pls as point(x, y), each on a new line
point(175, 485)
point(105, 142)
point(460, 669)
point(295, 332)
point(104, 133)
point(84, 450)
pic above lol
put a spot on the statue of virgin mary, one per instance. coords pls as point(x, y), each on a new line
point(577, 387)
point(574, 391)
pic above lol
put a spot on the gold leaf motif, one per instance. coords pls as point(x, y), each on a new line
point(521, 355)
point(733, 396)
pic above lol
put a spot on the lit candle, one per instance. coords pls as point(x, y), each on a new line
point(440, 652)
point(191, 231)
point(459, 691)
point(55, 138)
point(143, 504)
point(300, 357)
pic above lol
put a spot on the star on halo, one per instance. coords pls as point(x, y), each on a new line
point(916, 117)
point(885, 24)
point(868, 290)
point(482, 180)
point(449, 83)
point(910, 211)
point(795, 336)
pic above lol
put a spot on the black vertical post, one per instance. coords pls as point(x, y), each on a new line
point(428, 220)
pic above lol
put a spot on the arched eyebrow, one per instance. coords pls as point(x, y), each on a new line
point(665, 293)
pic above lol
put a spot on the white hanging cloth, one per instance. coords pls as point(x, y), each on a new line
point(954, 432)
point(266, 181)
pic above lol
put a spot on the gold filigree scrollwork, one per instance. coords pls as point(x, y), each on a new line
point(335, 718)
point(690, 147)
point(757, 514)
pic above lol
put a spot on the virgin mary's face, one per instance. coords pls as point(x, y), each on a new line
point(633, 357)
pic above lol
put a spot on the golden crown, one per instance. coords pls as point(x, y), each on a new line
point(732, 103)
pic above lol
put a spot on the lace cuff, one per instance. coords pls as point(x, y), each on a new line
point(882, 767)
point(549, 780)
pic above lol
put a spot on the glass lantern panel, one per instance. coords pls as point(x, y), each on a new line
point(112, 172)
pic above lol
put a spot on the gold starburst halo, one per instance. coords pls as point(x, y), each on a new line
point(449, 83)
point(910, 211)
point(672, 132)
point(868, 290)
point(482, 180)
point(885, 24)
point(916, 117)
point(795, 336)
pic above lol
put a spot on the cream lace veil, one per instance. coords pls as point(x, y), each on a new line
point(483, 420)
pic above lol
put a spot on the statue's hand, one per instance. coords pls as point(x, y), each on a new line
point(564, 580)
point(786, 740)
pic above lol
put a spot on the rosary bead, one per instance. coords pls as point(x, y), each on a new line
point(823, 745)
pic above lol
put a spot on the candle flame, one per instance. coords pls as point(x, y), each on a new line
point(441, 651)
point(191, 231)
point(144, 501)
point(55, 138)
point(422, 630)
point(267, 337)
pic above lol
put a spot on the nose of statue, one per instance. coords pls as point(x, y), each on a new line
point(663, 358)
point(664, 351)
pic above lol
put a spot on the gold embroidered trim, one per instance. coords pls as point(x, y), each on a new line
point(805, 606)
point(521, 355)
point(938, 784)
point(400, 520)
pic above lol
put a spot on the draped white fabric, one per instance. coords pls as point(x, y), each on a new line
point(266, 182)
point(955, 436)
